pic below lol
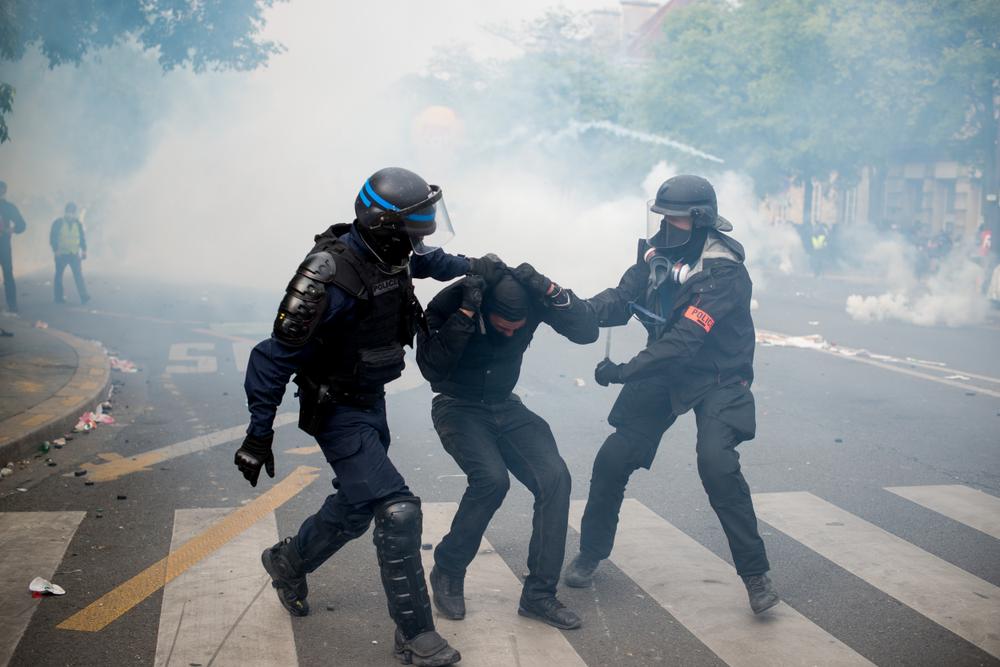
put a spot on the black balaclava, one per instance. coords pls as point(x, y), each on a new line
point(509, 300)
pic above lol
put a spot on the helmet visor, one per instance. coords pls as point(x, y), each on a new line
point(427, 224)
point(660, 232)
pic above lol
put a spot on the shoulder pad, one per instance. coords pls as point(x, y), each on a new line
point(302, 308)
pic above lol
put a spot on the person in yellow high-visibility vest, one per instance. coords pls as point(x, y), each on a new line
point(69, 244)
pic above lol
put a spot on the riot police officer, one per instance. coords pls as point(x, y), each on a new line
point(340, 329)
point(691, 291)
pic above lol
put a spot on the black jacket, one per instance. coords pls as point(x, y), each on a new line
point(460, 360)
point(708, 337)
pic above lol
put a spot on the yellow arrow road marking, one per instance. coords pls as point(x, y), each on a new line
point(109, 607)
point(117, 466)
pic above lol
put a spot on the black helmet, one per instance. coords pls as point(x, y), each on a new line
point(685, 195)
point(397, 211)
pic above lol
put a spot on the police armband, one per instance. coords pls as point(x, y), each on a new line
point(302, 308)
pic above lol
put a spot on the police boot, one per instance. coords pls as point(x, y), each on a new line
point(549, 610)
point(448, 594)
point(283, 564)
point(761, 592)
point(398, 524)
point(580, 573)
point(428, 649)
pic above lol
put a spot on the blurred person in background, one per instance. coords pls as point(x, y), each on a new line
point(340, 330)
point(691, 291)
point(472, 355)
point(69, 245)
point(11, 223)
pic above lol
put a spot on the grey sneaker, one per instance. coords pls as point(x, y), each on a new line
point(448, 594)
point(580, 572)
point(761, 592)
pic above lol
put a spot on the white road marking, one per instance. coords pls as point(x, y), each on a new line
point(184, 352)
point(963, 504)
point(241, 354)
point(704, 594)
point(223, 610)
point(948, 595)
point(32, 544)
point(492, 633)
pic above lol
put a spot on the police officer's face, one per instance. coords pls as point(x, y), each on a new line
point(680, 222)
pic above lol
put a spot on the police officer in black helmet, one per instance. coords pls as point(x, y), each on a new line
point(340, 330)
point(690, 290)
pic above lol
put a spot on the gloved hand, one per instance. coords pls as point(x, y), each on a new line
point(472, 293)
point(534, 281)
point(254, 454)
point(608, 372)
point(490, 267)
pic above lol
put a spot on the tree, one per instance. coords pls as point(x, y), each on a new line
point(219, 34)
point(805, 89)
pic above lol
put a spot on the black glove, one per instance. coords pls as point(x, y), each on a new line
point(608, 372)
point(254, 454)
point(472, 292)
point(533, 280)
point(490, 267)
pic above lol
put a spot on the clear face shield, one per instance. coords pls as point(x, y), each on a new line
point(667, 228)
point(427, 224)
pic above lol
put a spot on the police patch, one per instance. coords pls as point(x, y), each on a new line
point(385, 286)
point(700, 317)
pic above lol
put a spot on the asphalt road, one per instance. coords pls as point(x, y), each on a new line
point(829, 425)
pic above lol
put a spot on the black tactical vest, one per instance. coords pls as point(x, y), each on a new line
point(356, 359)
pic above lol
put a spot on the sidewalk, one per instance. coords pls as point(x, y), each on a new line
point(47, 380)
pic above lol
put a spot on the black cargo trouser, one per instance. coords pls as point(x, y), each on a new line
point(487, 440)
point(641, 415)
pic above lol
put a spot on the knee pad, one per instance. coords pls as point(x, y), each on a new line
point(398, 524)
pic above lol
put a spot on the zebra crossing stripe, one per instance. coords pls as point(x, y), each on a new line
point(222, 611)
point(948, 595)
point(109, 607)
point(492, 633)
point(963, 504)
point(705, 595)
point(28, 551)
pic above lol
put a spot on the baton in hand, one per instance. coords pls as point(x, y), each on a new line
point(607, 346)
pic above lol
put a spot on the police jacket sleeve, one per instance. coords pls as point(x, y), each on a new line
point(572, 317)
point(448, 333)
point(273, 362)
point(438, 265)
point(610, 307)
point(699, 315)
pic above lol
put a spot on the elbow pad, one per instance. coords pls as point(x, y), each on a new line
point(302, 308)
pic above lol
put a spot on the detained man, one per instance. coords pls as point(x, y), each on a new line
point(472, 357)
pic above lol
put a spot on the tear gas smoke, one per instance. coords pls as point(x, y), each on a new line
point(949, 295)
point(224, 178)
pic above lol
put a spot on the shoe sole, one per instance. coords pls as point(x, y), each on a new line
point(521, 611)
point(577, 583)
point(265, 560)
point(769, 605)
point(408, 658)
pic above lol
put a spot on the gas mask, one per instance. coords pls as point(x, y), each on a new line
point(662, 269)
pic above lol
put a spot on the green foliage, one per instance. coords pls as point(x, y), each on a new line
point(6, 104)
point(806, 88)
point(201, 34)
